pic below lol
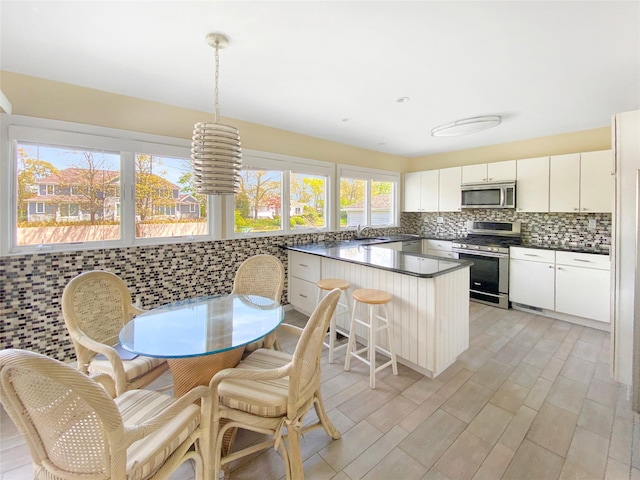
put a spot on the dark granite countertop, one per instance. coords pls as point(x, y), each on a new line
point(371, 255)
point(595, 249)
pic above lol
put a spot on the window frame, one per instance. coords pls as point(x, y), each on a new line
point(255, 160)
point(369, 175)
point(17, 129)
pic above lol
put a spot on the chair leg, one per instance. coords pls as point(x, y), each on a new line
point(326, 423)
point(372, 348)
point(332, 337)
point(351, 346)
point(295, 455)
point(392, 350)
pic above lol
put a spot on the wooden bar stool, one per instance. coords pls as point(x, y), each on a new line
point(372, 298)
point(326, 285)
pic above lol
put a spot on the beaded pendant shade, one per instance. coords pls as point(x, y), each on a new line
point(215, 147)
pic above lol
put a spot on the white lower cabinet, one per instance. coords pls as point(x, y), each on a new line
point(532, 283)
point(576, 284)
point(304, 272)
point(583, 285)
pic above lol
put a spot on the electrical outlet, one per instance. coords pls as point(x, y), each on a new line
point(592, 224)
point(440, 220)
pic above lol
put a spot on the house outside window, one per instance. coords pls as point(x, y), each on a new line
point(58, 170)
point(65, 181)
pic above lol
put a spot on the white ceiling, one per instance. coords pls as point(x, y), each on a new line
point(547, 67)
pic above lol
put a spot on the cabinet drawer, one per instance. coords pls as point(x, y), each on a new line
point(442, 253)
point(303, 295)
point(304, 266)
point(533, 254)
point(586, 260)
point(436, 245)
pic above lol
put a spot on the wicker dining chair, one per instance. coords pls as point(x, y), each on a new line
point(261, 275)
point(95, 306)
point(271, 391)
point(75, 430)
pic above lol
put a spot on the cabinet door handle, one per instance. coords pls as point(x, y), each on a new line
point(303, 296)
point(531, 255)
point(581, 260)
point(303, 265)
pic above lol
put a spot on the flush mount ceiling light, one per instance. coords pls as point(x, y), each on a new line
point(466, 126)
point(215, 148)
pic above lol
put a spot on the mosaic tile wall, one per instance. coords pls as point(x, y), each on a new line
point(560, 229)
point(32, 285)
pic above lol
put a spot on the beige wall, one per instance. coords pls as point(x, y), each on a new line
point(583, 141)
point(37, 97)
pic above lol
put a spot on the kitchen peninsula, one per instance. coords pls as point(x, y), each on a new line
point(429, 312)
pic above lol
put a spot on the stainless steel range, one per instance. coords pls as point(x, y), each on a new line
point(487, 245)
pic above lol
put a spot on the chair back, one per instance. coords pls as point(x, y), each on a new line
point(96, 304)
point(304, 381)
point(65, 417)
point(260, 275)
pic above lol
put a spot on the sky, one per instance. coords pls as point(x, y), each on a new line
point(66, 157)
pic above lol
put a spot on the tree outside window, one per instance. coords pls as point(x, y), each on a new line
point(258, 204)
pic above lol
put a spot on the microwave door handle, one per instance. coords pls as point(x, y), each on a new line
point(503, 197)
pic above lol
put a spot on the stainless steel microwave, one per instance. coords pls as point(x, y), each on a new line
point(489, 195)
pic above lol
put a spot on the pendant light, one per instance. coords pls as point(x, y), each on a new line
point(215, 148)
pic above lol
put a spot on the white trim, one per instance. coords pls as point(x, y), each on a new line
point(16, 128)
point(257, 160)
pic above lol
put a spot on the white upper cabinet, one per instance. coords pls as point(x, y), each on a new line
point(489, 172)
point(412, 192)
point(532, 189)
point(581, 182)
point(564, 183)
point(596, 182)
point(450, 179)
point(421, 191)
point(501, 171)
point(474, 173)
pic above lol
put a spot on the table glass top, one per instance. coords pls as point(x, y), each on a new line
point(201, 326)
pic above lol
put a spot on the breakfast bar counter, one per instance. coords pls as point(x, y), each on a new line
point(429, 312)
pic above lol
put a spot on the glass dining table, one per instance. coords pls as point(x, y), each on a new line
point(201, 336)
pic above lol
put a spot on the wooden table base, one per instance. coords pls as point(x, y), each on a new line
point(193, 371)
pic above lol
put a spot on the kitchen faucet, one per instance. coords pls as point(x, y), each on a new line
point(360, 231)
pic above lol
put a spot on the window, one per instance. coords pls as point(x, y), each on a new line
point(56, 169)
point(81, 187)
point(352, 202)
point(258, 205)
point(165, 196)
point(281, 194)
point(307, 201)
point(368, 197)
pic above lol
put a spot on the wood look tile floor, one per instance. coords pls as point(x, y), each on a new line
point(532, 398)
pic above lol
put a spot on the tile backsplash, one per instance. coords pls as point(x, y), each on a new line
point(32, 285)
point(537, 228)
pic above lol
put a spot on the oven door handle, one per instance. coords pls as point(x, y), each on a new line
point(481, 254)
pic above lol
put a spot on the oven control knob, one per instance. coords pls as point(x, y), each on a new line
point(476, 247)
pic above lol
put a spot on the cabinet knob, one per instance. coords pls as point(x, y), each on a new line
point(550, 266)
point(576, 209)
